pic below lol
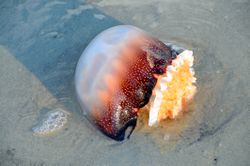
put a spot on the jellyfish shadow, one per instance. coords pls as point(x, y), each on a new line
point(49, 37)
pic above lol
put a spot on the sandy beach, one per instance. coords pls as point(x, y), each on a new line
point(41, 42)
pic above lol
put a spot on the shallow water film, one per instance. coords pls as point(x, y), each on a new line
point(41, 42)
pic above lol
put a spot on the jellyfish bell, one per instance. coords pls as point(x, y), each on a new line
point(124, 69)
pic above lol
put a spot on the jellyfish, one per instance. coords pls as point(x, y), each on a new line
point(123, 70)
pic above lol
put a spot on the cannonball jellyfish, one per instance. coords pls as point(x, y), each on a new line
point(124, 69)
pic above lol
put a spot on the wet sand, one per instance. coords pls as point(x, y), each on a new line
point(41, 42)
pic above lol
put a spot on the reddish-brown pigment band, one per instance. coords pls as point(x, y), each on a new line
point(133, 87)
